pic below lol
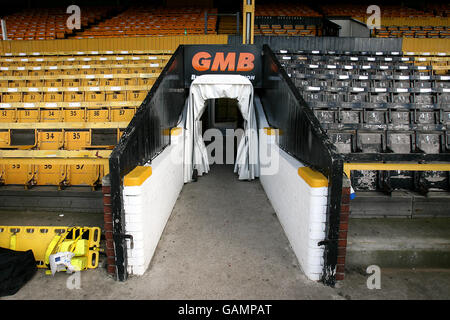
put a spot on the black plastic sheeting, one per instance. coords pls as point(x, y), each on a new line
point(145, 137)
point(295, 43)
point(302, 136)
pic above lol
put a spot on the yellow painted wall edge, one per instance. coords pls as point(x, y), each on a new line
point(137, 176)
point(313, 178)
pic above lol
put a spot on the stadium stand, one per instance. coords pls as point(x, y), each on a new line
point(68, 102)
point(396, 21)
point(379, 102)
point(139, 21)
point(50, 23)
point(287, 19)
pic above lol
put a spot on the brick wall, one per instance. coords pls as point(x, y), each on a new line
point(108, 226)
point(343, 229)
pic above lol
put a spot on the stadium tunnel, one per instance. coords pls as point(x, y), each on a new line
point(307, 159)
point(139, 166)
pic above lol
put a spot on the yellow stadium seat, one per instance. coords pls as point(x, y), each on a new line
point(35, 83)
point(116, 96)
point(74, 115)
point(50, 140)
point(136, 95)
point(16, 84)
point(27, 115)
point(53, 83)
point(7, 115)
point(36, 73)
point(49, 174)
point(32, 97)
point(129, 82)
point(122, 114)
point(110, 82)
point(91, 82)
point(95, 96)
point(17, 173)
point(53, 97)
point(97, 115)
point(84, 174)
point(51, 115)
point(71, 96)
point(146, 81)
point(71, 83)
point(5, 139)
point(11, 97)
point(77, 140)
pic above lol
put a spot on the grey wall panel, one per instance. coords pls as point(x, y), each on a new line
point(324, 43)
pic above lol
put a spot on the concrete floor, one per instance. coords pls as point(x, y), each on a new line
point(228, 244)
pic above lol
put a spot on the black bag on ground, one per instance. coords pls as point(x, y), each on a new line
point(16, 268)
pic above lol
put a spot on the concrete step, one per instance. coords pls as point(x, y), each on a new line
point(49, 198)
point(400, 204)
point(399, 243)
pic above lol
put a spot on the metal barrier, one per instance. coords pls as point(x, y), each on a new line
point(144, 139)
point(303, 138)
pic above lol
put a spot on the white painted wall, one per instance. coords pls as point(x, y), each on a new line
point(148, 206)
point(300, 208)
point(352, 28)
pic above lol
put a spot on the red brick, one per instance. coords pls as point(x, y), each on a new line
point(107, 217)
point(110, 253)
point(111, 261)
point(343, 226)
point(343, 235)
point(344, 217)
point(345, 199)
point(108, 226)
point(345, 191)
point(340, 268)
point(108, 235)
point(342, 251)
point(107, 209)
point(341, 260)
point(342, 243)
point(345, 208)
point(111, 269)
point(106, 200)
point(339, 276)
point(106, 190)
point(110, 244)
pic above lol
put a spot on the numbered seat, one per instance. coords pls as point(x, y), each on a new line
point(84, 174)
point(8, 115)
point(98, 115)
point(77, 140)
point(11, 97)
point(51, 115)
point(53, 97)
point(94, 96)
point(136, 95)
point(122, 114)
point(28, 115)
point(18, 174)
point(116, 96)
point(49, 174)
point(50, 140)
point(32, 97)
point(72, 96)
point(74, 114)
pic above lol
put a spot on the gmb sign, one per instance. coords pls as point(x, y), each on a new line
point(223, 59)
